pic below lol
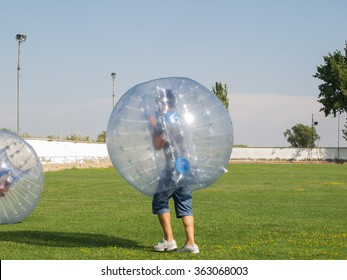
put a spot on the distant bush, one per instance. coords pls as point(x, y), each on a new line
point(74, 137)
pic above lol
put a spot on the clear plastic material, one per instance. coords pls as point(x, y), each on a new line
point(21, 178)
point(173, 128)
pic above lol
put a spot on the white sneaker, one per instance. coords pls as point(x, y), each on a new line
point(194, 249)
point(165, 245)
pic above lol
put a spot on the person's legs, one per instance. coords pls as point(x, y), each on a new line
point(183, 206)
point(188, 223)
point(165, 222)
point(189, 246)
point(160, 207)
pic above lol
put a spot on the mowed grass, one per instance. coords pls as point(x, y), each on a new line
point(256, 211)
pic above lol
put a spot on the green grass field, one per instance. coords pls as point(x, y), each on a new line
point(256, 211)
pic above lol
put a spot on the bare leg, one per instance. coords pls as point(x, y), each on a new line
point(188, 223)
point(165, 222)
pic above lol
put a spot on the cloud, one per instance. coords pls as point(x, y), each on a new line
point(260, 119)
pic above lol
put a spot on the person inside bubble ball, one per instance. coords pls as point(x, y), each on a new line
point(167, 135)
point(6, 179)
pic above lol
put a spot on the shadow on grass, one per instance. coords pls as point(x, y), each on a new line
point(66, 239)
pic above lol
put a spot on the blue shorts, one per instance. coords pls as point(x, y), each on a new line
point(182, 200)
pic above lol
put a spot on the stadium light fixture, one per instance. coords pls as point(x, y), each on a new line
point(113, 75)
point(21, 39)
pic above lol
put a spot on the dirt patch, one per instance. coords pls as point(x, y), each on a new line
point(105, 163)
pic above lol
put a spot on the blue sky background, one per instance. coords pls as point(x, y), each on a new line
point(265, 51)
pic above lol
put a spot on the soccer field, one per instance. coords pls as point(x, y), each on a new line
point(254, 212)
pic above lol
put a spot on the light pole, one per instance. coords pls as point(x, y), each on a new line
point(113, 75)
point(338, 138)
point(21, 39)
point(313, 124)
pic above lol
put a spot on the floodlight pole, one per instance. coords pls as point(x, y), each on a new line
point(113, 75)
point(311, 158)
point(21, 39)
point(313, 124)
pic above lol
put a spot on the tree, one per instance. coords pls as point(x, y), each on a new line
point(333, 90)
point(221, 91)
point(344, 131)
point(101, 137)
point(301, 136)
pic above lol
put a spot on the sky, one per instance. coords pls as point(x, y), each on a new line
point(265, 51)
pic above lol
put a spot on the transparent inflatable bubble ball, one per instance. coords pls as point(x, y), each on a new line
point(169, 133)
point(21, 178)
